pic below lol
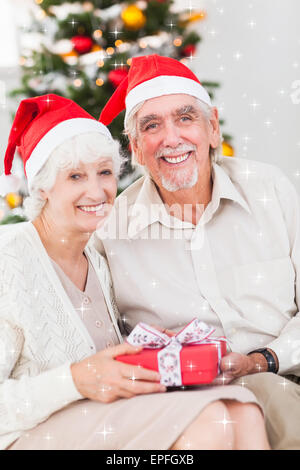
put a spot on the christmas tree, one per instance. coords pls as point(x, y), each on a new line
point(82, 50)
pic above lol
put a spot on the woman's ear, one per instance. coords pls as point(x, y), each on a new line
point(43, 194)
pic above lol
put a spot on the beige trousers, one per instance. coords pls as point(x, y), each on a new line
point(280, 400)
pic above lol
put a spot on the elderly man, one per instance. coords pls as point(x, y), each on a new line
point(207, 236)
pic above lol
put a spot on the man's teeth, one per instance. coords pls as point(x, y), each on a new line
point(91, 208)
point(177, 159)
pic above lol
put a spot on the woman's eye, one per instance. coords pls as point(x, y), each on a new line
point(76, 176)
point(106, 172)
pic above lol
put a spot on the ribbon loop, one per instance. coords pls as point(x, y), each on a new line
point(196, 332)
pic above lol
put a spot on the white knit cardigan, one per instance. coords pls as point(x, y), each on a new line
point(41, 333)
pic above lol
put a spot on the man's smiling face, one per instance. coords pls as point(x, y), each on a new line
point(173, 140)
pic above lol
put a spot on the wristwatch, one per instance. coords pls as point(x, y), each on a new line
point(272, 367)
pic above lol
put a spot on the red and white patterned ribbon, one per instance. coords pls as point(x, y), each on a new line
point(196, 332)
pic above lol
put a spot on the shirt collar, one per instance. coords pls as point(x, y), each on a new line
point(149, 207)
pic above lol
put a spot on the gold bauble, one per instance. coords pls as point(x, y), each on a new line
point(66, 55)
point(13, 200)
point(96, 48)
point(133, 18)
point(186, 18)
point(227, 150)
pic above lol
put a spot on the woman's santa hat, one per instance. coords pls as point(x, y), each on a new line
point(41, 124)
point(149, 77)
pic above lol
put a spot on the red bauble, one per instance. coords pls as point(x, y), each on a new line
point(188, 50)
point(82, 44)
point(116, 76)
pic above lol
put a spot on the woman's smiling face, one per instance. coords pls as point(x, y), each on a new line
point(82, 197)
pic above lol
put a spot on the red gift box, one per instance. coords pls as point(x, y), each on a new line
point(199, 364)
point(191, 357)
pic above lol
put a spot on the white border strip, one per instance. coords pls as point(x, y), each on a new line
point(165, 85)
point(56, 136)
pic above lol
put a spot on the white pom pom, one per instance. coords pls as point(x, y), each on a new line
point(9, 184)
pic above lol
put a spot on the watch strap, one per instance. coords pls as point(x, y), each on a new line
point(272, 366)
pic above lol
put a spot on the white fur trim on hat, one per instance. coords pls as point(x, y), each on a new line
point(9, 184)
point(165, 85)
point(56, 136)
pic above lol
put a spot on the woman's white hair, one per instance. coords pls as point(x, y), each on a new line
point(131, 129)
point(83, 148)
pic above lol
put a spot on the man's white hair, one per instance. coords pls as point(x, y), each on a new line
point(83, 148)
point(131, 129)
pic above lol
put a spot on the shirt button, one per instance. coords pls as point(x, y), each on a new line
point(86, 300)
point(108, 344)
point(98, 323)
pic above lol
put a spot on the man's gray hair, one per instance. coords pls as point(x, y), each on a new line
point(131, 129)
point(83, 148)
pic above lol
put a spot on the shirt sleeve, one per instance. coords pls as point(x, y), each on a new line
point(287, 345)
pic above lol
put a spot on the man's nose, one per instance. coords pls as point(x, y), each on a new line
point(172, 136)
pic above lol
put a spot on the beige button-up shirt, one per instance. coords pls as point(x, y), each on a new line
point(238, 269)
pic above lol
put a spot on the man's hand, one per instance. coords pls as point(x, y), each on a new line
point(235, 365)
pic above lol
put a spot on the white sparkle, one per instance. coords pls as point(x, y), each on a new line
point(238, 55)
point(247, 172)
point(264, 200)
point(83, 309)
point(73, 22)
point(254, 105)
point(213, 32)
point(243, 383)
point(258, 277)
point(116, 32)
point(252, 24)
point(225, 422)
point(268, 122)
point(171, 24)
point(105, 431)
point(284, 384)
point(190, 8)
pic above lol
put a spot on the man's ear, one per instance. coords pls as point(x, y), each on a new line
point(215, 128)
point(137, 152)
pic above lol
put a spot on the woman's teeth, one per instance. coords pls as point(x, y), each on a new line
point(180, 159)
point(91, 208)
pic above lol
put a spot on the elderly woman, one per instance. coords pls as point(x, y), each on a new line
point(60, 386)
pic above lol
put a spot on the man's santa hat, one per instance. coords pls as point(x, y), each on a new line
point(149, 77)
point(41, 124)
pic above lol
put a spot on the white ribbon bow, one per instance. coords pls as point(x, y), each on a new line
point(196, 332)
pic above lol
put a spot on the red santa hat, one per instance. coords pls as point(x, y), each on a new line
point(149, 77)
point(41, 124)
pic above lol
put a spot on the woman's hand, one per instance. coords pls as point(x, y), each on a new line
point(101, 378)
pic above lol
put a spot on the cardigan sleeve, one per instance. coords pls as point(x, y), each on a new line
point(28, 400)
